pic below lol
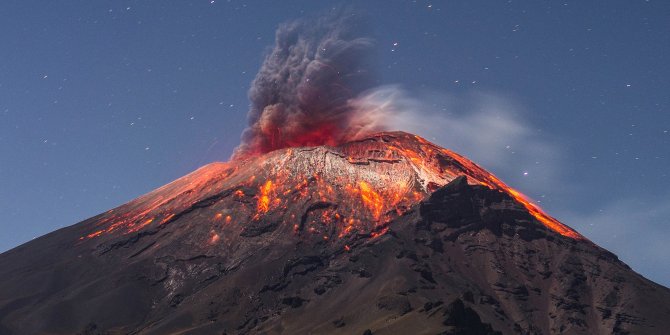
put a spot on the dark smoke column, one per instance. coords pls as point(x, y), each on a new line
point(300, 95)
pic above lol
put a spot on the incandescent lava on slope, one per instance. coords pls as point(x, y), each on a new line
point(355, 188)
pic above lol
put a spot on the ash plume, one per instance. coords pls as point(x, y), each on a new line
point(301, 94)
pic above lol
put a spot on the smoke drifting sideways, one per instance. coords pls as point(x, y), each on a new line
point(302, 93)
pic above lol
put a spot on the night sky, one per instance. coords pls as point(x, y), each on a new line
point(568, 101)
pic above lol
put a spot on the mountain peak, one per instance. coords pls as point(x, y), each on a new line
point(357, 186)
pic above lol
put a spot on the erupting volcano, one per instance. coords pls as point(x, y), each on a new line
point(355, 188)
point(322, 224)
point(388, 234)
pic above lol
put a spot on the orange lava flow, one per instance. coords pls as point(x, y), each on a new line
point(141, 225)
point(371, 199)
point(491, 181)
point(161, 205)
point(264, 197)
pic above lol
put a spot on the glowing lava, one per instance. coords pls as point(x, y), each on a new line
point(371, 199)
point(328, 192)
point(493, 182)
point(264, 197)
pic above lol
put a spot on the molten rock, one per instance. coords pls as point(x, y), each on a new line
point(389, 234)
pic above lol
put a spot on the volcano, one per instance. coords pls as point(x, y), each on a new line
point(387, 234)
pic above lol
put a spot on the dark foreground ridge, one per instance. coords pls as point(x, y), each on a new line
point(465, 259)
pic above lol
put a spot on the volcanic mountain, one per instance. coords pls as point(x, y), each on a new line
point(388, 234)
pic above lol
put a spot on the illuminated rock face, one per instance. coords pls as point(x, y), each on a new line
point(389, 233)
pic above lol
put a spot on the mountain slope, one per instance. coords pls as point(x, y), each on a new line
point(390, 234)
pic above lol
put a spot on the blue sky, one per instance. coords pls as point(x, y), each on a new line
point(102, 101)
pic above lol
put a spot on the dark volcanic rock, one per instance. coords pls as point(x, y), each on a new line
point(398, 304)
point(463, 320)
point(223, 251)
